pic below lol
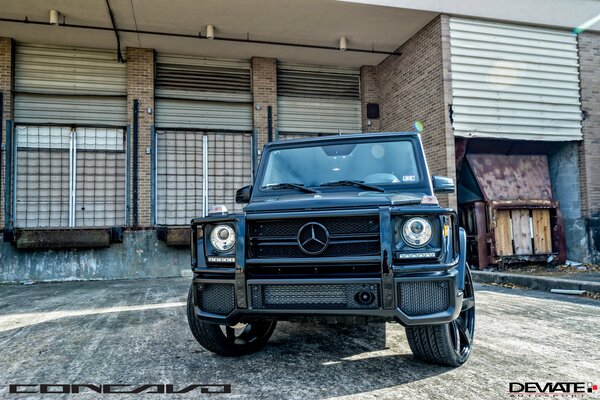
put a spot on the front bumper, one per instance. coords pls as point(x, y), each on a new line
point(418, 299)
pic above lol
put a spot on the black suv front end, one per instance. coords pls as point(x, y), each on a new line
point(378, 248)
point(364, 270)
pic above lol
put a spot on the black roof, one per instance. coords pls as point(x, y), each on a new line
point(317, 139)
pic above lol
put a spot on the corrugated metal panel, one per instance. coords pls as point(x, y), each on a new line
point(512, 177)
point(57, 109)
point(199, 78)
point(64, 85)
point(66, 70)
point(313, 99)
point(202, 93)
point(318, 115)
point(172, 113)
point(514, 82)
point(318, 82)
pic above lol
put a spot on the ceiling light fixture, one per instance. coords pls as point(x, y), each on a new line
point(210, 32)
point(343, 44)
point(54, 17)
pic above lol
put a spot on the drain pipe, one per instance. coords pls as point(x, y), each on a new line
point(270, 122)
point(135, 157)
point(8, 175)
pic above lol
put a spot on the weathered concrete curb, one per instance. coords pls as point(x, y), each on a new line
point(536, 282)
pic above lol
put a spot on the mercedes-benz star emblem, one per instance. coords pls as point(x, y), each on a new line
point(313, 238)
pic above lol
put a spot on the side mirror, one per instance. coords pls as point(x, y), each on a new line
point(441, 184)
point(242, 196)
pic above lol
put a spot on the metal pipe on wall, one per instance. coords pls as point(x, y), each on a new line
point(204, 176)
point(270, 122)
point(153, 177)
point(127, 176)
point(254, 153)
point(136, 110)
point(7, 175)
point(1, 142)
point(14, 176)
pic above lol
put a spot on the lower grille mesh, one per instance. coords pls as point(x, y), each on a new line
point(313, 297)
point(418, 298)
point(217, 298)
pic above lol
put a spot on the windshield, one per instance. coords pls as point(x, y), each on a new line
point(374, 163)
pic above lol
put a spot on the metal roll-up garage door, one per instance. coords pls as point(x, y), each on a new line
point(201, 93)
point(70, 117)
point(63, 85)
point(203, 135)
point(514, 82)
point(317, 100)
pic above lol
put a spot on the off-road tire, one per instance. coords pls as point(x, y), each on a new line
point(436, 344)
point(212, 337)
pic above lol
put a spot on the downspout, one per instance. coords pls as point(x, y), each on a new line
point(135, 156)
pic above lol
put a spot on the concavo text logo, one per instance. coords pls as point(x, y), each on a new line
point(114, 388)
point(571, 389)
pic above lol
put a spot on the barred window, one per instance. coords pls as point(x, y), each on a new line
point(196, 170)
point(70, 177)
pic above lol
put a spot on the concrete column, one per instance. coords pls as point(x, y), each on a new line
point(369, 94)
point(415, 86)
point(264, 94)
point(140, 86)
point(6, 84)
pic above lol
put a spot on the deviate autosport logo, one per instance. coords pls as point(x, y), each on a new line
point(552, 389)
point(116, 388)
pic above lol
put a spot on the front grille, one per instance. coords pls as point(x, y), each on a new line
point(315, 296)
point(348, 236)
point(217, 298)
point(419, 298)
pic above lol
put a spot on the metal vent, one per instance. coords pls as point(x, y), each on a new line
point(217, 298)
point(199, 78)
point(318, 82)
point(313, 296)
point(418, 298)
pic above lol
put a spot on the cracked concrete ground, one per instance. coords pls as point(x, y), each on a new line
point(135, 332)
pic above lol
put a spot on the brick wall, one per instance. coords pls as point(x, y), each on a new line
point(589, 151)
point(264, 94)
point(140, 85)
point(6, 83)
point(415, 86)
point(369, 92)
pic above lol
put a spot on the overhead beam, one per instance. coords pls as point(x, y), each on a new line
point(200, 36)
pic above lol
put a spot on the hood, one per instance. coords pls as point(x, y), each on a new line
point(332, 200)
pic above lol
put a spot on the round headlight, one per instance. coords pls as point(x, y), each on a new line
point(416, 232)
point(222, 237)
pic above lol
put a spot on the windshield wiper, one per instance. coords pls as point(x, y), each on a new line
point(359, 184)
point(287, 185)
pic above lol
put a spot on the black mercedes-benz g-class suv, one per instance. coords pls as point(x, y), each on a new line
point(339, 226)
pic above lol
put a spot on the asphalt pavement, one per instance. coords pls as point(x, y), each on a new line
point(135, 332)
